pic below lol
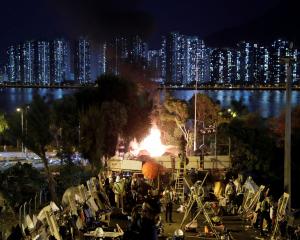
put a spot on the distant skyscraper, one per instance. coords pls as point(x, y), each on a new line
point(137, 49)
point(162, 54)
point(154, 64)
point(217, 64)
point(296, 66)
point(175, 58)
point(116, 51)
point(231, 67)
point(102, 61)
point(14, 64)
point(3, 74)
point(11, 65)
point(60, 61)
point(204, 63)
point(98, 59)
point(263, 66)
point(171, 58)
point(42, 62)
point(245, 62)
point(186, 58)
point(27, 62)
point(223, 66)
point(194, 61)
point(278, 50)
point(82, 61)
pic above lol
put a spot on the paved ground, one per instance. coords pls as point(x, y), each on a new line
point(237, 228)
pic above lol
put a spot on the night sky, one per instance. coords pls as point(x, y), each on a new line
point(37, 19)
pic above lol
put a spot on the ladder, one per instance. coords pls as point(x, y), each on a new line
point(179, 182)
point(201, 208)
point(207, 218)
point(250, 203)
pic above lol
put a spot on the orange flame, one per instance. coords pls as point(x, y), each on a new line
point(152, 144)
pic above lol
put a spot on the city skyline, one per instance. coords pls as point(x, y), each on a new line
point(180, 60)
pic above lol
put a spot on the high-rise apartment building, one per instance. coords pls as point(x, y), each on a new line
point(102, 59)
point(172, 59)
point(11, 66)
point(185, 59)
point(162, 54)
point(245, 62)
point(60, 61)
point(263, 66)
point(82, 61)
point(42, 62)
point(253, 63)
point(14, 64)
point(3, 74)
point(137, 49)
point(27, 62)
point(154, 64)
point(278, 50)
point(204, 63)
point(116, 53)
point(192, 64)
point(296, 66)
point(223, 66)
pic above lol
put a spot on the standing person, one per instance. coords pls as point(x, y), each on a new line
point(150, 213)
point(168, 201)
point(265, 214)
point(230, 191)
point(143, 224)
point(134, 188)
point(119, 191)
point(239, 190)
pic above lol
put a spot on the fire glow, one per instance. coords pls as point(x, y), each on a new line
point(152, 144)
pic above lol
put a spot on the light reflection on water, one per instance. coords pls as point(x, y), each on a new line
point(11, 98)
point(266, 102)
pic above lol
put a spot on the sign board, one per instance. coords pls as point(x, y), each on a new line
point(131, 165)
point(114, 164)
point(124, 165)
point(282, 203)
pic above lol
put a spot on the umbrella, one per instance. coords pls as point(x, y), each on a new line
point(150, 169)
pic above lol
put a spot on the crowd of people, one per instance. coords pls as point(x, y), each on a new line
point(145, 206)
point(256, 204)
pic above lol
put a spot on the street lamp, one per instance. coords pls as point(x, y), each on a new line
point(21, 110)
point(22, 124)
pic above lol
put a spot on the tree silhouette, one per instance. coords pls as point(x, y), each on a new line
point(100, 129)
point(65, 126)
point(37, 135)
